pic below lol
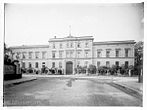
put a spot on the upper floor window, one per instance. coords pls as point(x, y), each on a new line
point(126, 52)
point(60, 45)
point(53, 54)
point(36, 55)
point(67, 54)
point(71, 44)
point(67, 44)
point(30, 55)
point(86, 44)
point(54, 45)
point(117, 53)
point(86, 54)
point(98, 54)
point(43, 55)
point(107, 53)
point(79, 45)
point(79, 54)
point(71, 54)
point(60, 54)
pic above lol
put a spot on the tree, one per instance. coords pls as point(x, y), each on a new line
point(92, 69)
point(139, 59)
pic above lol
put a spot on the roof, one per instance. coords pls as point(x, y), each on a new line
point(29, 46)
point(71, 38)
point(114, 42)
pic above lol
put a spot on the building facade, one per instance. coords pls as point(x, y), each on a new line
point(69, 52)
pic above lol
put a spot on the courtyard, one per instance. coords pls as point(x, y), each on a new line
point(67, 91)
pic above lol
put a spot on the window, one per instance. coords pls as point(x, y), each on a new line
point(107, 64)
point(117, 53)
point(98, 54)
point(53, 64)
point(36, 65)
point(67, 44)
point(126, 52)
point(36, 55)
point(23, 64)
point(71, 44)
point(71, 54)
point(60, 54)
point(17, 55)
point(60, 45)
point(43, 64)
point(78, 63)
point(43, 55)
point(67, 54)
point(107, 53)
point(126, 64)
point(78, 45)
point(53, 54)
point(30, 55)
point(86, 54)
point(117, 63)
point(24, 55)
point(54, 45)
point(86, 63)
point(98, 64)
point(60, 64)
point(86, 44)
point(78, 54)
point(30, 65)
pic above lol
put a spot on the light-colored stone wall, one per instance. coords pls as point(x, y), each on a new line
point(80, 59)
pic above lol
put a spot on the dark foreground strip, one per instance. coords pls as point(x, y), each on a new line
point(16, 83)
point(127, 90)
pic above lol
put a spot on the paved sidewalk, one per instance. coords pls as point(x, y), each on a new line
point(18, 81)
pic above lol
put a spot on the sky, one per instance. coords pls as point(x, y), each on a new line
point(35, 24)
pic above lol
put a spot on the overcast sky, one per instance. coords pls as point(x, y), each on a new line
point(33, 24)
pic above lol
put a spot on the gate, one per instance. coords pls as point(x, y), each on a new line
point(69, 67)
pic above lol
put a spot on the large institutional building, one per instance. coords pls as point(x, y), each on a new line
point(69, 52)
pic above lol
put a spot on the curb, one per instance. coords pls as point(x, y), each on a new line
point(127, 90)
point(19, 82)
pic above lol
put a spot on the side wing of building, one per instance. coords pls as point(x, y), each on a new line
point(113, 53)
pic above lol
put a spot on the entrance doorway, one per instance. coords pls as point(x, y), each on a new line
point(69, 67)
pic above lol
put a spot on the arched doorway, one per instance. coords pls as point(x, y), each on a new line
point(69, 67)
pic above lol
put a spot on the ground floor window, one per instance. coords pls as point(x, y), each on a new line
point(36, 65)
point(30, 65)
point(107, 64)
point(117, 63)
point(60, 64)
point(98, 64)
point(126, 64)
point(43, 64)
point(53, 64)
point(23, 64)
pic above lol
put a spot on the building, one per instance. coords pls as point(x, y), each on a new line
point(69, 52)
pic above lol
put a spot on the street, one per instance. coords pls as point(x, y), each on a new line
point(67, 92)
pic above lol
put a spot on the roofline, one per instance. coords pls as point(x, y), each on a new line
point(29, 46)
point(115, 42)
point(71, 38)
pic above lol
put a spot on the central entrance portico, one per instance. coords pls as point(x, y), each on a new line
point(69, 67)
